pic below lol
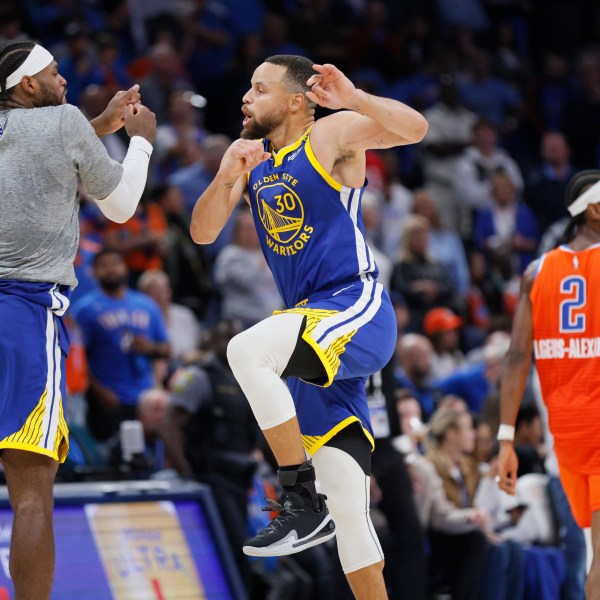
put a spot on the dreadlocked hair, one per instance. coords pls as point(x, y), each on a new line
point(578, 184)
point(12, 56)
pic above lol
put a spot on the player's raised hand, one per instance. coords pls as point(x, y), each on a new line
point(113, 117)
point(242, 156)
point(330, 88)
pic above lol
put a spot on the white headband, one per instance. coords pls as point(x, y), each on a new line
point(590, 196)
point(39, 58)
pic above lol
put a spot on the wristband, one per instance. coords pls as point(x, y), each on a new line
point(506, 433)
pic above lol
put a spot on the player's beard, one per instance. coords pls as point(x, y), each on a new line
point(49, 97)
point(256, 129)
point(111, 283)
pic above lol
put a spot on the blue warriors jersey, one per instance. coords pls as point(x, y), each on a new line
point(309, 225)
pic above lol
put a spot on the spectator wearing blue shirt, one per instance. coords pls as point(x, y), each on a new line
point(477, 382)
point(415, 354)
point(508, 231)
point(124, 333)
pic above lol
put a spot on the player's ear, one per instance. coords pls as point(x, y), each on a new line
point(593, 211)
point(297, 101)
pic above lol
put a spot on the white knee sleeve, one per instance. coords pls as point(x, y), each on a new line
point(258, 357)
point(348, 495)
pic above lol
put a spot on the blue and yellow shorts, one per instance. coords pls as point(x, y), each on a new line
point(33, 346)
point(353, 331)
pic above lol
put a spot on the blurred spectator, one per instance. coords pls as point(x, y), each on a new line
point(547, 185)
point(185, 263)
point(402, 539)
point(275, 37)
point(174, 135)
point(455, 536)
point(208, 43)
point(449, 133)
point(150, 411)
point(194, 178)
point(210, 434)
point(476, 382)
point(487, 96)
point(371, 215)
point(423, 281)
point(142, 241)
point(166, 75)
point(77, 61)
point(93, 101)
point(124, 333)
point(442, 327)
point(529, 445)
point(478, 164)
point(548, 94)
point(397, 199)
point(414, 356)
point(445, 245)
point(507, 232)
point(110, 66)
point(248, 290)
point(11, 22)
point(452, 439)
point(182, 326)
point(582, 125)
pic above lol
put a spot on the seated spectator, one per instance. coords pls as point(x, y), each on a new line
point(442, 327)
point(475, 382)
point(151, 410)
point(445, 245)
point(547, 185)
point(451, 440)
point(247, 287)
point(423, 281)
point(124, 333)
point(507, 232)
point(414, 356)
point(183, 328)
point(478, 164)
point(529, 445)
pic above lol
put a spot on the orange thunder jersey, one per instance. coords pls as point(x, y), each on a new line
point(565, 299)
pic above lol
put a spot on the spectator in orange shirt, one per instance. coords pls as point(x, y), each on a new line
point(142, 240)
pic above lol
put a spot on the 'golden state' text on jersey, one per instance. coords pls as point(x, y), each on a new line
point(309, 225)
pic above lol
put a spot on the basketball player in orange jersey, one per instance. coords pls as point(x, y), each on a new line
point(558, 315)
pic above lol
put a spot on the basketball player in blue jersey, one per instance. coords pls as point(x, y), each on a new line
point(46, 147)
point(304, 180)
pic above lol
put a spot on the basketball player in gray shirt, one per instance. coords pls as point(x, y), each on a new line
point(46, 148)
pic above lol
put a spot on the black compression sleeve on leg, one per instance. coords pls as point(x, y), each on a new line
point(304, 362)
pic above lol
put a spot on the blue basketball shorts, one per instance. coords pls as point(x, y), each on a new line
point(353, 331)
point(33, 347)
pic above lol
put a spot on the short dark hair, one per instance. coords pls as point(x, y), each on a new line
point(299, 70)
point(527, 414)
point(106, 251)
point(577, 185)
point(12, 56)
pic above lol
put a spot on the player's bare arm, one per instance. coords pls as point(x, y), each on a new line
point(215, 205)
point(373, 122)
point(514, 378)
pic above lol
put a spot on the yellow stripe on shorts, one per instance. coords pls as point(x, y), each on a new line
point(329, 356)
point(29, 437)
point(313, 442)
